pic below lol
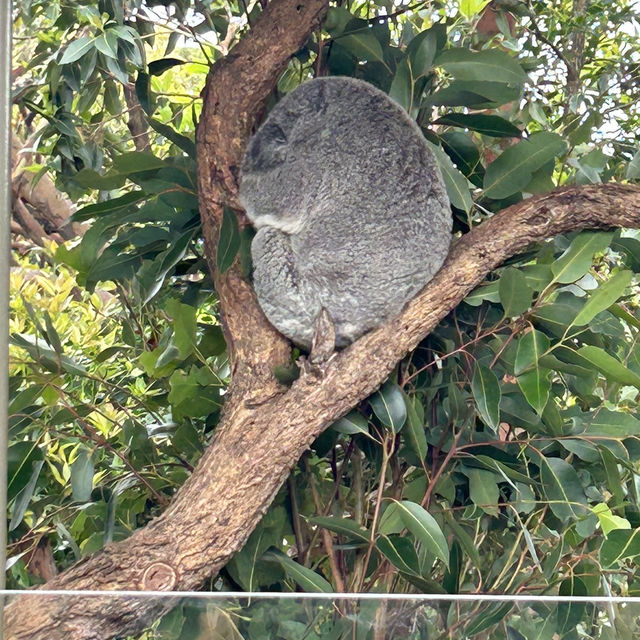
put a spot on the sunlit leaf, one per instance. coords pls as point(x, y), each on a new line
point(513, 169)
point(576, 260)
point(603, 297)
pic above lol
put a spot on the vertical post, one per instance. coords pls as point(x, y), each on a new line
point(5, 239)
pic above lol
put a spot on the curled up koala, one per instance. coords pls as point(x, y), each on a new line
point(350, 209)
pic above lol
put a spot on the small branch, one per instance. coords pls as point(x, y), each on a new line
point(387, 448)
point(326, 535)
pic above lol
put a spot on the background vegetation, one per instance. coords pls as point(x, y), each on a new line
point(502, 454)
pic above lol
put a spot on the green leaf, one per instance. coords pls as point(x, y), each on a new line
point(633, 168)
point(603, 297)
point(363, 45)
point(619, 545)
point(21, 456)
point(464, 539)
point(515, 293)
point(82, 476)
point(91, 179)
point(609, 366)
point(336, 20)
point(577, 259)
point(424, 527)
point(422, 50)
point(489, 292)
point(536, 386)
point(24, 496)
point(486, 617)
point(143, 93)
point(136, 161)
point(306, 578)
point(348, 528)
point(182, 142)
point(571, 613)
point(108, 46)
point(400, 552)
point(513, 169)
point(184, 326)
point(488, 125)
point(414, 429)
point(486, 392)
point(109, 206)
point(475, 94)
point(77, 49)
point(401, 89)
point(25, 398)
point(111, 99)
point(490, 65)
point(483, 490)
point(563, 488)
point(470, 8)
point(456, 184)
point(533, 380)
point(229, 241)
point(604, 422)
point(388, 405)
point(351, 424)
point(158, 67)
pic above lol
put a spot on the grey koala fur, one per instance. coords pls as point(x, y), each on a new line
point(350, 209)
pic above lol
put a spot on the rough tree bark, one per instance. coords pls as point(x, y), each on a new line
point(264, 429)
point(40, 211)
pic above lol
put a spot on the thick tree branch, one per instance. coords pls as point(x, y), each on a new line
point(235, 91)
point(264, 430)
point(254, 447)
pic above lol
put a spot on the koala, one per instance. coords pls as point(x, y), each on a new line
point(350, 208)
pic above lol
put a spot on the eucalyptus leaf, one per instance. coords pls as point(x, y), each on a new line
point(515, 293)
point(619, 545)
point(577, 259)
point(389, 406)
point(486, 392)
point(351, 424)
point(513, 169)
point(456, 184)
point(82, 471)
point(608, 365)
point(348, 528)
point(76, 49)
point(229, 241)
point(425, 528)
point(488, 125)
point(490, 65)
point(603, 297)
point(306, 578)
point(24, 496)
point(563, 489)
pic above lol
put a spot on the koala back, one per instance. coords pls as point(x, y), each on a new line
point(350, 207)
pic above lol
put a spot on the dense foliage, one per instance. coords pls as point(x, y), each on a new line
point(503, 454)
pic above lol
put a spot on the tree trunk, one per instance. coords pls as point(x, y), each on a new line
point(40, 211)
point(265, 428)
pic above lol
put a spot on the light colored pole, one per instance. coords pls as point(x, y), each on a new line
point(5, 226)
